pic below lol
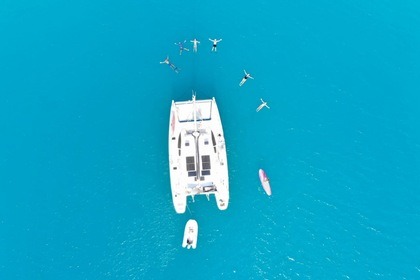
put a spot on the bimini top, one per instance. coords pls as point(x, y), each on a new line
point(186, 109)
point(197, 153)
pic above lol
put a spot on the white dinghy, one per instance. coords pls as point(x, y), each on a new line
point(190, 235)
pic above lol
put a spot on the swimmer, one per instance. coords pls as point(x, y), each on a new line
point(195, 44)
point(173, 67)
point(264, 104)
point(215, 41)
point(181, 47)
point(245, 78)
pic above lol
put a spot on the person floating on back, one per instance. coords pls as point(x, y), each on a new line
point(195, 44)
point(181, 47)
point(166, 61)
point(245, 78)
point(215, 41)
point(264, 104)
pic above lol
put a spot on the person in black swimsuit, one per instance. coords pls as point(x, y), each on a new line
point(245, 78)
point(215, 41)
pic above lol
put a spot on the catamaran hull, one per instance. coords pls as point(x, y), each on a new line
point(179, 198)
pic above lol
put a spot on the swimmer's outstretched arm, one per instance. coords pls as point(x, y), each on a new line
point(166, 61)
point(248, 75)
point(264, 103)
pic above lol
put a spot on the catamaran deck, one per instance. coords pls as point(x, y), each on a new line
point(197, 153)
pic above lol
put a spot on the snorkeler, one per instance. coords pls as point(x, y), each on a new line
point(166, 61)
point(264, 104)
point(245, 78)
point(195, 44)
point(215, 41)
point(181, 47)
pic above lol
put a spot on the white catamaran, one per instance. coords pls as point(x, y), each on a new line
point(197, 153)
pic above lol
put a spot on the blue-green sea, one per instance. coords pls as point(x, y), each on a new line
point(84, 119)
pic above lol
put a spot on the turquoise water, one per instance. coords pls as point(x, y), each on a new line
point(84, 120)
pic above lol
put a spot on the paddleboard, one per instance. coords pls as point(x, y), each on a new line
point(265, 182)
point(190, 234)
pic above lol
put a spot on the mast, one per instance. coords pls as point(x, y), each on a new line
point(196, 134)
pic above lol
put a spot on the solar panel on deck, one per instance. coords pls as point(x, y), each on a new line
point(206, 162)
point(190, 163)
